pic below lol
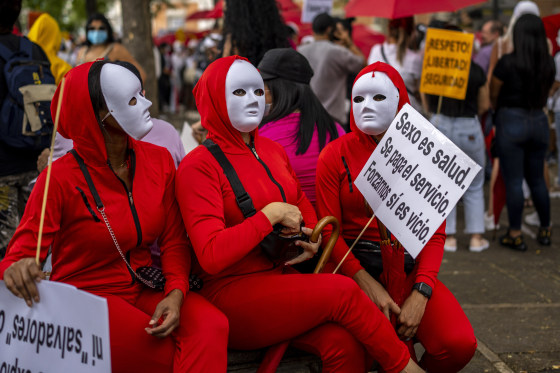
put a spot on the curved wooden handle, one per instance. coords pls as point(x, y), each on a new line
point(332, 241)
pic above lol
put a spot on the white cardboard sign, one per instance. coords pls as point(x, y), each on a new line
point(312, 8)
point(67, 331)
point(414, 178)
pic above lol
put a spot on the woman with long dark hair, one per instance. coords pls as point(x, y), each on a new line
point(297, 120)
point(251, 27)
point(396, 52)
point(100, 43)
point(519, 89)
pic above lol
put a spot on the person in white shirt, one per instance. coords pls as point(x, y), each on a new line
point(395, 51)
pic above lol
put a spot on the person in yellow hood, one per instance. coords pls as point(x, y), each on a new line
point(46, 33)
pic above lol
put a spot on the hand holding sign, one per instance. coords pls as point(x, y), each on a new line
point(21, 278)
point(414, 178)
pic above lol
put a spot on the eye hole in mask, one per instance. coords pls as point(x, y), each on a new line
point(132, 101)
point(239, 92)
point(259, 92)
point(378, 97)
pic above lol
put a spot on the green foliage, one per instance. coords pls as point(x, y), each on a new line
point(70, 14)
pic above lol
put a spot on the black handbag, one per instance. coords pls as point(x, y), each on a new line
point(369, 255)
point(276, 246)
point(152, 277)
point(155, 276)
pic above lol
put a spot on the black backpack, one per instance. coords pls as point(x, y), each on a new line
point(25, 115)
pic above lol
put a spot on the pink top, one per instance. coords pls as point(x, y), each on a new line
point(284, 131)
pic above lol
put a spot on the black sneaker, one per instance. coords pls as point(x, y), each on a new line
point(543, 237)
point(516, 243)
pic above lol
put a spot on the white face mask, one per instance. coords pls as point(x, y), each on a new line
point(374, 103)
point(123, 94)
point(244, 96)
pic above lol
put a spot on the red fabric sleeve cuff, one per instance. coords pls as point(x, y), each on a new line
point(261, 223)
point(426, 279)
point(182, 285)
point(350, 268)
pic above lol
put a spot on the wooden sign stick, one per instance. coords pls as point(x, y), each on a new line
point(47, 182)
point(354, 244)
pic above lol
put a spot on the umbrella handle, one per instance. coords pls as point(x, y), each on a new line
point(330, 244)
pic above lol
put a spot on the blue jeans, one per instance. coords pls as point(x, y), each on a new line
point(466, 133)
point(522, 139)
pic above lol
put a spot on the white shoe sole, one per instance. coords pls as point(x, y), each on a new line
point(477, 249)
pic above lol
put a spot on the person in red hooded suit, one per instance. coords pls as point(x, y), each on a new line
point(267, 303)
point(104, 112)
point(429, 313)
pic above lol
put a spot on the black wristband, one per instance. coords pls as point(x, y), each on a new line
point(423, 288)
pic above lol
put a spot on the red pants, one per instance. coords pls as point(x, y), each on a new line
point(198, 344)
point(446, 333)
point(325, 314)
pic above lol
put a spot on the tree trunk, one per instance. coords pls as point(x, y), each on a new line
point(137, 38)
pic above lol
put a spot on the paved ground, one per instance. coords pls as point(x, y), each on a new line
point(513, 301)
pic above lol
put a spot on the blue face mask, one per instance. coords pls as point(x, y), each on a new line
point(97, 36)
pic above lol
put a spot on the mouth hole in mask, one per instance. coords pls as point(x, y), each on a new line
point(379, 97)
point(132, 101)
point(358, 99)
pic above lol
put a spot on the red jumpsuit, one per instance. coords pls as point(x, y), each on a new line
point(84, 255)
point(325, 314)
point(445, 332)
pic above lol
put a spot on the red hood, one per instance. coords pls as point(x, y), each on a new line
point(397, 81)
point(210, 95)
point(77, 120)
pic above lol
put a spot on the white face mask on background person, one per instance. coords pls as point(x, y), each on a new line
point(244, 96)
point(126, 103)
point(374, 103)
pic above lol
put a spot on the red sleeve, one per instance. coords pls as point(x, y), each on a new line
point(199, 194)
point(328, 203)
point(173, 242)
point(429, 259)
point(24, 241)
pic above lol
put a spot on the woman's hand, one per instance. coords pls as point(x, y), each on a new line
point(287, 215)
point(309, 248)
point(43, 160)
point(21, 277)
point(377, 293)
point(411, 314)
point(169, 309)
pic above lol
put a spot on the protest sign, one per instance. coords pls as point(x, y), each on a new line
point(414, 178)
point(312, 8)
point(67, 331)
point(447, 62)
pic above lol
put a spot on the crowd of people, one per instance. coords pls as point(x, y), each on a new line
point(282, 137)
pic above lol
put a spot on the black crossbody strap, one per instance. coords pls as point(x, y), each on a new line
point(243, 199)
point(89, 181)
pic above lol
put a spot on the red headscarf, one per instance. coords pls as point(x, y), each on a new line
point(210, 96)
